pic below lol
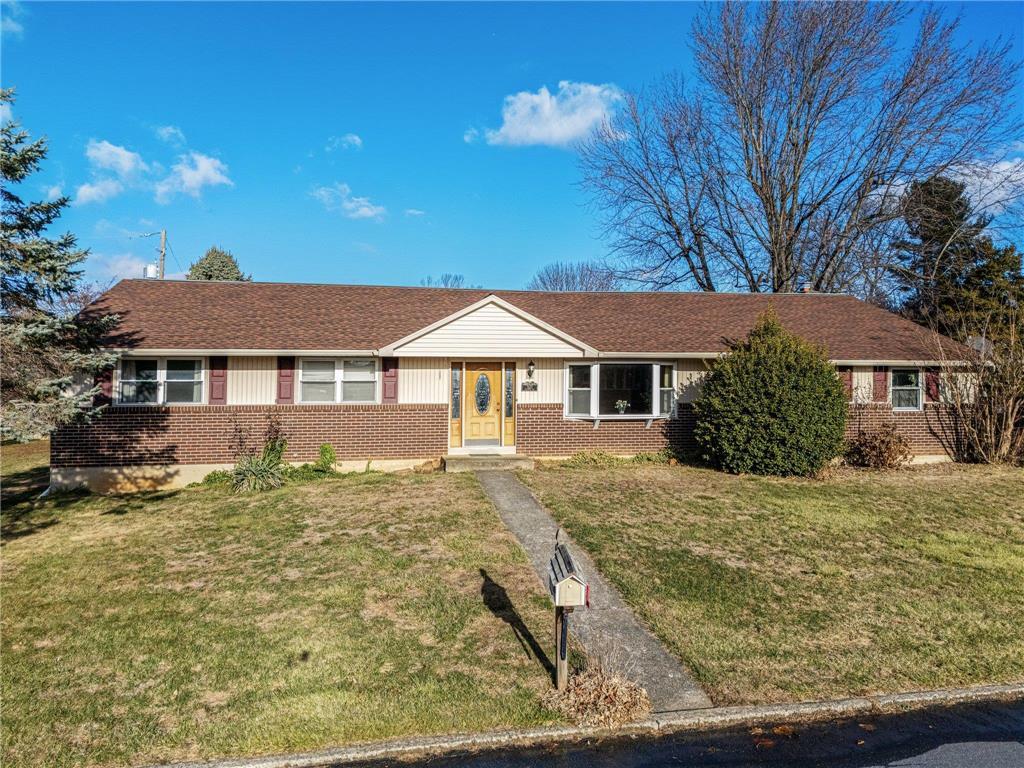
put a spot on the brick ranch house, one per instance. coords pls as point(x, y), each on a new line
point(400, 376)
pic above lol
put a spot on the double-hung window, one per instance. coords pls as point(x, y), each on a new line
point(359, 381)
point(139, 382)
point(352, 380)
point(158, 381)
point(183, 381)
point(906, 389)
point(620, 390)
point(579, 390)
point(317, 381)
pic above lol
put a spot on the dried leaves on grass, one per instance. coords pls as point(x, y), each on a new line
point(596, 697)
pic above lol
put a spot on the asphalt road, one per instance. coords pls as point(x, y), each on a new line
point(975, 736)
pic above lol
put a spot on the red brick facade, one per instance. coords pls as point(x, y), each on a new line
point(923, 429)
point(142, 435)
point(543, 431)
point(202, 434)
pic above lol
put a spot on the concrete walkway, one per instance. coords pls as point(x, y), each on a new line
point(608, 629)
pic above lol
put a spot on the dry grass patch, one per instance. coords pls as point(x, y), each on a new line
point(194, 624)
point(787, 589)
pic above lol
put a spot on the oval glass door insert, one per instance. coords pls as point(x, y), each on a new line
point(483, 394)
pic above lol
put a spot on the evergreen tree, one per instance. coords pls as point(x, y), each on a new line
point(217, 264)
point(955, 279)
point(45, 352)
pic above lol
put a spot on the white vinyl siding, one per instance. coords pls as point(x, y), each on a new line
point(547, 373)
point(690, 373)
point(863, 383)
point(252, 380)
point(492, 332)
point(423, 379)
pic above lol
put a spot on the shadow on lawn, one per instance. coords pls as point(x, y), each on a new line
point(497, 601)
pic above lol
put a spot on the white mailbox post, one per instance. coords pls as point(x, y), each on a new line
point(568, 590)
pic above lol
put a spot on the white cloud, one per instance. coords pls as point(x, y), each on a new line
point(190, 174)
point(6, 113)
point(558, 119)
point(414, 212)
point(10, 13)
point(98, 191)
point(993, 186)
point(53, 192)
point(338, 197)
point(348, 141)
point(110, 157)
point(116, 266)
point(171, 134)
point(471, 135)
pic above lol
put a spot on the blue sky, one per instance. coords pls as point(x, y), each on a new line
point(340, 142)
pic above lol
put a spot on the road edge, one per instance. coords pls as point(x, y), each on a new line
point(659, 724)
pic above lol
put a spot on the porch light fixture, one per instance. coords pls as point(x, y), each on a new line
point(530, 368)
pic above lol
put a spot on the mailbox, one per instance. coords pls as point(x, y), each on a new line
point(565, 581)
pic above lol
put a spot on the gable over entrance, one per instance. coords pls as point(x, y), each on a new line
point(490, 328)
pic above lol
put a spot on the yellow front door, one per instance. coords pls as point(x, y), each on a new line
point(482, 409)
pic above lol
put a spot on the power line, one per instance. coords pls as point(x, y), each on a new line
point(174, 256)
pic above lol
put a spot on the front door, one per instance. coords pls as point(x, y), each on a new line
point(482, 410)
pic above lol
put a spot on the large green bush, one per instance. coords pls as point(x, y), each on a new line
point(772, 406)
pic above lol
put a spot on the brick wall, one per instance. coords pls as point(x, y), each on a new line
point(542, 431)
point(923, 429)
point(205, 434)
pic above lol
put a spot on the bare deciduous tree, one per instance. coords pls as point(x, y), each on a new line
point(573, 276)
point(446, 280)
point(783, 163)
point(983, 394)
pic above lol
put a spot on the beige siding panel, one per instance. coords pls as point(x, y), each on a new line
point(252, 380)
point(549, 375)
point(690, 373)
point(423, 379)
point(490, 331)
point(863, 383)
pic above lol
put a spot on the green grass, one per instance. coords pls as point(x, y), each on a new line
point(781, 590)
point(195, 624)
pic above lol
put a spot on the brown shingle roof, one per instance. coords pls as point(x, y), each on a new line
point(277, 316)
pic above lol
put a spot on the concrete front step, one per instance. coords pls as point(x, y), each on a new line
point(484, 462)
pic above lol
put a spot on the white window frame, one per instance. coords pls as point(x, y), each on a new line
point(595, 391)
point(920, 389)
point(339, 378)
point(161, 380)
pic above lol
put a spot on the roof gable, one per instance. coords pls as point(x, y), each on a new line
point(491, 327)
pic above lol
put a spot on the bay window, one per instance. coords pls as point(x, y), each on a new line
point(620, 390)
point(156, 381)
point(906, 389)
point(351, 380)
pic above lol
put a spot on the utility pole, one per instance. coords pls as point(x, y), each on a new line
point(163, 253)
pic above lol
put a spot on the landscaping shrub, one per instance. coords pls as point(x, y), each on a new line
point(328, 458)
point(592, 459)
point(262, 471)
point(218, 477)
point(885, 448)
point(772, 406)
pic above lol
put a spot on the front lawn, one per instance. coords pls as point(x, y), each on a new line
point(193, 624)
point(782, 590)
